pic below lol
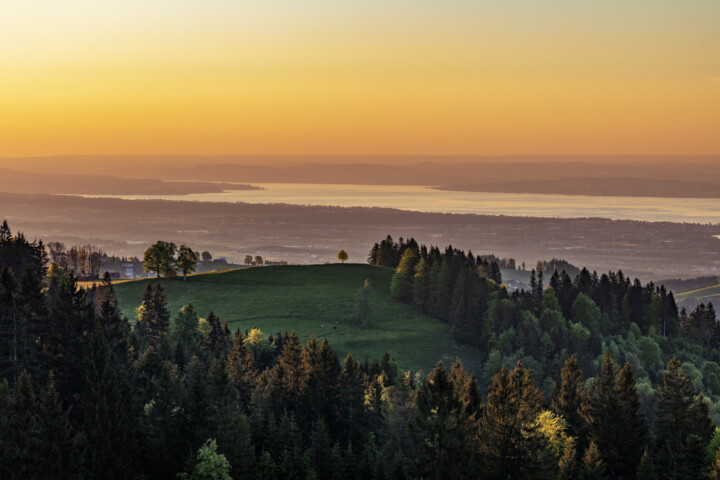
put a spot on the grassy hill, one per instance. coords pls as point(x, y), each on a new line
point(312, 299)
point(701, 295)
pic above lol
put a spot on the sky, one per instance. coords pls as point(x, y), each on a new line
point(485, 77)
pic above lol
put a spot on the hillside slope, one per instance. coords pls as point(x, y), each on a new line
point(312, 299)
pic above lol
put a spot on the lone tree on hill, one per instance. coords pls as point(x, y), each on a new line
point(248, 260)
point(206, 256)
point(186, 261)
point(342, 256)
point(159, 259)
point(258, 260)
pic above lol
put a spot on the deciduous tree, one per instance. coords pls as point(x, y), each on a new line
point(159, 258)
point(186, 260)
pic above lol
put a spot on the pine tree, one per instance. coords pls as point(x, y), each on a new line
point(65, 341)
point(218, 340)
point(197, 401)
point(240, 449)
point(511, 447)
point(163, 422)
point(567, 399)
point(646, 469)
point(635, 433)
point(223, 405)
point(267, 469)
point(494, 273)
point(184, 330)
point(337, 465)
point(61, 449)
point(615, 419)
point(311, 397)
point(21, 434)
point(32, 318)
point(466, 388)
point(568, 465)
point(241, 369)
point(153, 316)
point(401, 286)
point(592, 466)
point(9, 319)
point(683, 425)
point(109, 420)
point(320, 449)
point(350, 402)
point(441, 438)
point(6, 420)
point(290, 373)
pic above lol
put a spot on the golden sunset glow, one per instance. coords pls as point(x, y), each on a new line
point(454, 77)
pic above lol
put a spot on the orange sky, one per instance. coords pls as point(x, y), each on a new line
point(456, 77)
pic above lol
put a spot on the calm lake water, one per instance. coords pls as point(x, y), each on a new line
point(423, 199)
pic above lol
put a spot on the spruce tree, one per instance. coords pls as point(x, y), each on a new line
point(592, 466)
point(223, 406)
point(466, 388)
point(241, 369)
point(634, 435)
point(153, 316)
point(440, 431)
point(683, 425)
point(320, 448)
point(184, 330)
point(311, 398)
point(22, 428)
point(197, 401)
point(568, 465)
point(350, 403)
point(9, 319)
point(218, 340)
point(31, 320)
point(616, 421)
point(567, 399)
point(65, 341)
point(164, 422)
point(401, 286)
point(510, 446)
point(109, 417)
point(421, 285)
point(646, 469)
point(290, 373)
point(60, 448)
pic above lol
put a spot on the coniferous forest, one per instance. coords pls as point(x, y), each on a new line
point(591, 377)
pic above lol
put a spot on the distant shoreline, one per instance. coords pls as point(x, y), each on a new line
point(597, 187)
point(426, 199)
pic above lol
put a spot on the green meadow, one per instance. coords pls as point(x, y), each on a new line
point(319, 299)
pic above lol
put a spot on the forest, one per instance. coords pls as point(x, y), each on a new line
point(590, 377)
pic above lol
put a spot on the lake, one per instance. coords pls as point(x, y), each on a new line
point(423, 199)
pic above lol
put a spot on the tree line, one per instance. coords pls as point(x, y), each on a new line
point(88, 393)
point(552, 320)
